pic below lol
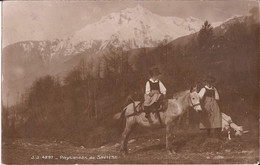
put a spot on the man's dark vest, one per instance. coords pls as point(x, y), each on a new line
point(209, 93)
point(154, 86)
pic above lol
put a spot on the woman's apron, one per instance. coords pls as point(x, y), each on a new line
point(211, 115)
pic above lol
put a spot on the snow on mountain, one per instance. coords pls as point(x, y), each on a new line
point(137, 27)
point(130, 28)
point(232, 20)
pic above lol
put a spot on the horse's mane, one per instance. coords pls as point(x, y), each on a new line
point(180, 94)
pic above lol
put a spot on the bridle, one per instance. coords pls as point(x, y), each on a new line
point(194, 105)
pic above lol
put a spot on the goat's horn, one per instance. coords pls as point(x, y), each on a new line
point(245, 131)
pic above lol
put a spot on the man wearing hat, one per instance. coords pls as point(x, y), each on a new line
point(211, 115)
point(154, 92)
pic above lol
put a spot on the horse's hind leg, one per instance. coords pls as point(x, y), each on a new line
point(169, 135)
point(128, 129)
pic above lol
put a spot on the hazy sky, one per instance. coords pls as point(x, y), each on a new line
point(39, 20)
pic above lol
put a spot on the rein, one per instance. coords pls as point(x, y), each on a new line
point(193, 105)
point(135, 111)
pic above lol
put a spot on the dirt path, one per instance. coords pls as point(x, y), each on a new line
point(190, 149)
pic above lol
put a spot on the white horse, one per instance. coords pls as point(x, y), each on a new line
point(176, 107)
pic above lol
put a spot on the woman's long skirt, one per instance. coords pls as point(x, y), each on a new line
point(211, 115)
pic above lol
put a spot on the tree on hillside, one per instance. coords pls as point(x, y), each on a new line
point(117, 68)
point(205, 36)
point(6, 129)
point(44, 106)
point(254, 12)
point(79, 91)
point(73, 77)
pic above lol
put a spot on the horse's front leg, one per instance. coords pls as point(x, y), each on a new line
point(169, 129)
point(128, 129)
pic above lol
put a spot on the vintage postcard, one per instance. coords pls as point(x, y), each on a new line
point(130, 82)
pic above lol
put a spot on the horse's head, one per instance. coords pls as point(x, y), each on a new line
point(195, 99)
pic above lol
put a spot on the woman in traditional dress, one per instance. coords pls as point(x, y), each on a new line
point(154, 92)
point(211, 115)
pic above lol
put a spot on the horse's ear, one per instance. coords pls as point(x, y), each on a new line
point(193, 89)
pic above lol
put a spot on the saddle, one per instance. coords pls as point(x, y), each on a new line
point(139, 108)
point(157, 108)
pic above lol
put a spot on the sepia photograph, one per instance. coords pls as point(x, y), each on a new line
point(130, 82)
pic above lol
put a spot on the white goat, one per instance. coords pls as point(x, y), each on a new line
point(227, 125)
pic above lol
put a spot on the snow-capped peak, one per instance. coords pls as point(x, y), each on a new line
point(130, 28)
point(137, 26)
point(138, 9)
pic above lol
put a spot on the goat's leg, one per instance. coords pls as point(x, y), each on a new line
point(229, 137)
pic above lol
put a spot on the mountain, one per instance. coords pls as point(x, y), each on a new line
point(135, 28)
point(132, 28)
point(219, 29)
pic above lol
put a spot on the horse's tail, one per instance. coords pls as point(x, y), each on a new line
point(122, 119)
